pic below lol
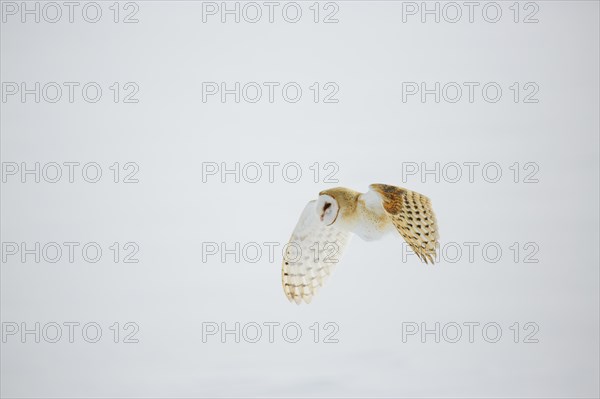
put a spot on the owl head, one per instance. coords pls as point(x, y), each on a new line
point(334, 203)
point(327, 209)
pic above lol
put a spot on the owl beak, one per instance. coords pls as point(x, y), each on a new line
point(327, 205)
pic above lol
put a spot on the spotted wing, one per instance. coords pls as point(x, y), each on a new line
point(310, 256)
point(412, 215)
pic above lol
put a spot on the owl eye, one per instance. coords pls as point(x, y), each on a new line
point(327, 206)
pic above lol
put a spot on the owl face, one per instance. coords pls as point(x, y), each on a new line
point(327, 209)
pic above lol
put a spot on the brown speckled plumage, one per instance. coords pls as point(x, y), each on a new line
point(413, 217)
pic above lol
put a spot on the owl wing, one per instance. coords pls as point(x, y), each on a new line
point(412, 215)
point(310, 256)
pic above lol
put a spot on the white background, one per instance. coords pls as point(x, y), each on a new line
point(369, 134)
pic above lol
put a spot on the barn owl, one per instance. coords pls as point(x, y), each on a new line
point(327, 224)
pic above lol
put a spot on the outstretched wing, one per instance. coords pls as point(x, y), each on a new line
point(310, 256)
point(412, 215)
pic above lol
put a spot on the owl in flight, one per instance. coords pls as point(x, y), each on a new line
point(326, 225)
